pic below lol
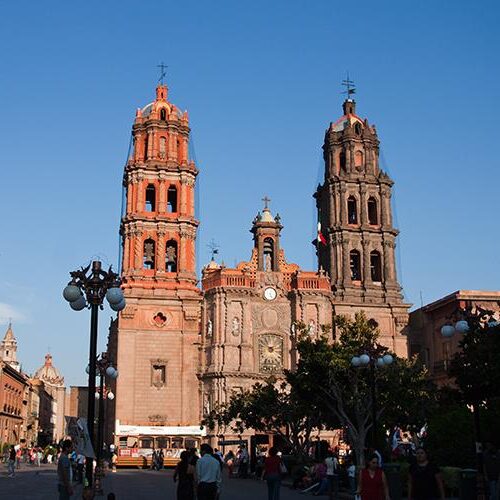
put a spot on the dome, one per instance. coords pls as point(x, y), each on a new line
point(267, 216)
point(49, 374)
point(342, 122)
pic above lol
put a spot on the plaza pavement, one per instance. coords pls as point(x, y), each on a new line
point(127, 484)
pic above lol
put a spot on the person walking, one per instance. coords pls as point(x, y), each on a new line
point(272, 474)
point(372, 483)
point(184, 477)
point(208, 474)
point(12, 462)
point(64, 471)
point(424, 481)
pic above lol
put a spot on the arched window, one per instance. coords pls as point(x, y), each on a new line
point(376, 266)
point(149, 254)
point(163, 147)
point(372, 211)
point(357, 128)
point(268, 254)
point(355, 263)
point(171, 256)
point(150, 198)
point(146, 144)
point(352, 210)
point(163, 114)
point(342, 161)
point(172, 199)
point(358, 159)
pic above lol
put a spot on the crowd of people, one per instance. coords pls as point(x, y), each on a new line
point(15, 455)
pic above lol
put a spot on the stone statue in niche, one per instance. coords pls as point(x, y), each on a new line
point(311, 329)
point(235, 326)
point(209, 328)
point(206, 404)
point(268, 263)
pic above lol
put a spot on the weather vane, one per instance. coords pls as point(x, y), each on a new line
point(163, 72)
point(266, 201)
point(214, 248)
point(349, 84)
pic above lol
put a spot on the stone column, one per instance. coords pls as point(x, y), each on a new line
point(126, 248)
point(160, 250)
point(130, 193)
point(162, 195)
point(181, 250)
point(363, 207)
point(140, 193)
point(385, 206)
point(138, 249)
point(346, 267)
point(367, 275)
point(149, 152)
point(387, 261)
point(343, 205)
point(182, 196)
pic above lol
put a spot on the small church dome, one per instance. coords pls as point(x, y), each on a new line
point(49, 374)
point(267, 216)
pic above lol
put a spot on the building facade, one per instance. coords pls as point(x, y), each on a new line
point(53, 384)
point(181, 349)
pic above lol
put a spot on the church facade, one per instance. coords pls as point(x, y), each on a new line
point(180, 348)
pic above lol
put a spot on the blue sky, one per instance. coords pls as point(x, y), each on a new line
point(261, 82)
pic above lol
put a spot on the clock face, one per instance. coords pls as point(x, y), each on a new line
point(270, 293)
point(270, 353)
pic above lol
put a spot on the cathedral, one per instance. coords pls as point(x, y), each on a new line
point(181, 348)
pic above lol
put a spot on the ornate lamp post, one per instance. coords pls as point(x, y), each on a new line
point(88, 288)
point(374, 357)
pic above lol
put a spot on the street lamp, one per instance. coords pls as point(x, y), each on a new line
point(87, 289)
point(374, 359)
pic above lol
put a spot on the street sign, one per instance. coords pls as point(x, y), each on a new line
point(232, 441)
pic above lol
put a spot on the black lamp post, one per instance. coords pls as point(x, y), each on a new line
point(87, 288)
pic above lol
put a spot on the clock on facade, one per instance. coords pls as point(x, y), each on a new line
point(270, 293)
point(270, 353)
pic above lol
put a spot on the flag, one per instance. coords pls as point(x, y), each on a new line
point(321, 237)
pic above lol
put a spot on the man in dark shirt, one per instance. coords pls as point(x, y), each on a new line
point(425, 482)
point(64, 471)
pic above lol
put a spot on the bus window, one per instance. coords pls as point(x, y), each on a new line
point(177, 442)
point(123, 442)
point(162, 442)
point(191, 443)
point(131, 442)
point(146, 443)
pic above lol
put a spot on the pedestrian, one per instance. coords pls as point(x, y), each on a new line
point(229, 459)
point(330, 481)
point(64, 471)
point(208, 473)
point(272, 474)
point(424, 481)
point(80, 465)
point(372, 483)
point(184, 477)
point(12, 462)
point(161, 459)
point(19, 453)
point(492, 470)
point(243, 460)
point(351, 476)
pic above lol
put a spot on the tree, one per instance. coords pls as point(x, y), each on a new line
point(326, 377)
point(272, 406)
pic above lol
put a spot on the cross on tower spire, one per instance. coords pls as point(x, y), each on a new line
point(350, 86)
point(163, 72)
point(266, 201)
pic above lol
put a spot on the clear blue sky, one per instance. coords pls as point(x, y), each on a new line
point(261, 81)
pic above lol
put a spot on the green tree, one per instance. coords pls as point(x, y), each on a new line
point(327, 378)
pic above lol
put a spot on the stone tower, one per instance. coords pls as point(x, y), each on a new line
point(357, 246)
point(8, 349)
point(154, 341)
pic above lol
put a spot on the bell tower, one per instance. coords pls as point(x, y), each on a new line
point(8, 349)
point(357, 240)
point(154, 340)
